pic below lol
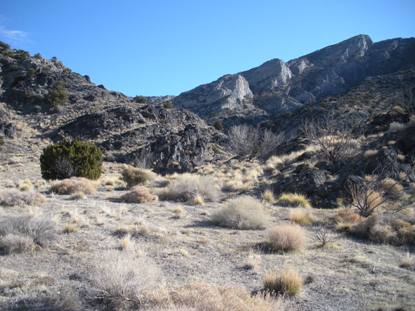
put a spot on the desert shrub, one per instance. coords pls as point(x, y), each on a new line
point(41, 231)
point(12, 243)
point(135, 176)
point(15, 197)
point(301, 216)
point(74, 185)
point(366, 195)
point(71, 158)
point(58, 95)
point(293, 200)
point(138, 194)
point(334, 137)
point(140, 99)
point(120, 281)
point(241, 213)
point(322, 236)
point(186, 187)
point(288, 282)
point(250, 141)
point(286, 238)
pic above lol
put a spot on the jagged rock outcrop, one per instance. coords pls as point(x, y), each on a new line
point(166, 139)
point(277, 87)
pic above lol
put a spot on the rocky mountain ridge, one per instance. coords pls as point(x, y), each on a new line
point(277, 86)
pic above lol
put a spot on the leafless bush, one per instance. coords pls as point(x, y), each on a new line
point(370, 193)
point(322, 236)
point(365, 195)
point(250, 141)
point(335, 138)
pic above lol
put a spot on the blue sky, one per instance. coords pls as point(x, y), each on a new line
point(156, 47)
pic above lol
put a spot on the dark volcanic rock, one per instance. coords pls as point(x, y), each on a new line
point(167, 139)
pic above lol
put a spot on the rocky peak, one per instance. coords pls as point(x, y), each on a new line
point(276, 86)
point(271, 75)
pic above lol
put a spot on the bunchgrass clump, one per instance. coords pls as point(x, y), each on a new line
point(288, 282)
point(74, 185)
point(241, 213)
point(137, 176)
point(286, 238)
point(186, 187)
point(293, 200)
point(138, 194)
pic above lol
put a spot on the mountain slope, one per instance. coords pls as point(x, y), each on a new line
point(165, 138)
point(277, 86)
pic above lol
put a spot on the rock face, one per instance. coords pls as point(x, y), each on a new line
point(276, 86)
point(166, 139)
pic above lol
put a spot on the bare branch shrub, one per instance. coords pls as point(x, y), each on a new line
point(368, 194)
point(246, 140)
point(365, 195)
point(322, 236)
point(335, 138)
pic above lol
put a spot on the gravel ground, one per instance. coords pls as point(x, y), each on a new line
point(353, 275)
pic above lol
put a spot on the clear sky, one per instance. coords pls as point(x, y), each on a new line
point(161, 47)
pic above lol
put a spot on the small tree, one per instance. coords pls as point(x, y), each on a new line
point(58, 95)
point(140, 99)
point(71, 158)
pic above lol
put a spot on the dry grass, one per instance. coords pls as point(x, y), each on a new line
point(13, 243)
point(186, 187)
point(275, 162)
point(243, 212)
point(120, 281)
point(74, 185)
point(78, 196)
point(15, 197)
point(137, 176)
point(252, 262)
point(25, 185)
point(18, 229)
point(293, 200)
point(301, 216)
point(286, 238)
point(138, 194)
point(210, 297)
point(346, 215)
point(268, 196)
point(288, 282)
point(392, 188)
point(70, 228)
